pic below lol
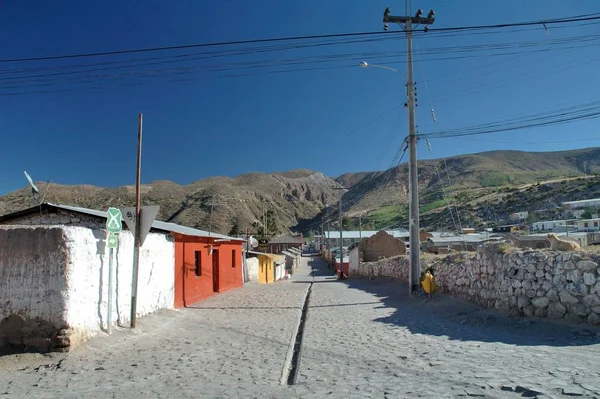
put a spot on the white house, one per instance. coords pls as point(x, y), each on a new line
point(519, 216)
point(548, 225)
point(588, 224)
point(582, 204)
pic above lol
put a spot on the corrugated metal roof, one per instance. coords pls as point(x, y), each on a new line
point(286, 239)
point(464, 238)
point(363, 234)
point(581, 202)
point(165, 226)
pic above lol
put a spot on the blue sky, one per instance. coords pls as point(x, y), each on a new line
point(327, 115)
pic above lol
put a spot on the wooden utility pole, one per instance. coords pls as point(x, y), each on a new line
point(136, 239)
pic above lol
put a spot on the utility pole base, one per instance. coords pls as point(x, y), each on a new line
point(414, 289)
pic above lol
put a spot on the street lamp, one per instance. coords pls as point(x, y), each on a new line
point(413, 205)
point(364, 64)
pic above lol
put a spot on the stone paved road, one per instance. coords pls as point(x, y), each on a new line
point(232, 345)
point(236, 345)
point(367, 337)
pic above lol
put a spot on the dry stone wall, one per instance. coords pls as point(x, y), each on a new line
point(557, 285)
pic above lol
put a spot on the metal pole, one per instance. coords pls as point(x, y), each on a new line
point(211, 212)
point(415, 242)
point(360, 226)
point(136, 239)
point(110, 288)
point(341, 240)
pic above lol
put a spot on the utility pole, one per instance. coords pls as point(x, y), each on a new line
point(341, 276)
point(415, 241)
point(136, 238)
point(212, 206)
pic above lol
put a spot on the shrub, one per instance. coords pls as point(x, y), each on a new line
point(504, 248)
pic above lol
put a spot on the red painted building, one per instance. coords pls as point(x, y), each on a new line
point(205, 266)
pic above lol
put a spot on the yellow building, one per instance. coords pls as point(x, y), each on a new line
point(266, 267)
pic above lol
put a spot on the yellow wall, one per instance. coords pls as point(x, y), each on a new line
point(266, 273)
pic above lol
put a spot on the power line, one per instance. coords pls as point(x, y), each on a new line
point(560, 116)
point(328, 62)
point(580, 18)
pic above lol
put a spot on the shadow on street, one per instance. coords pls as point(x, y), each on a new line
point(459, 319)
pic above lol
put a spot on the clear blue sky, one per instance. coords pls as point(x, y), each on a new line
point(334, 118)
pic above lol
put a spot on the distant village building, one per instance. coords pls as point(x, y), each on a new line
point(576, 209)
point(284, 242)
point(548, 225)
point(519, 216)
point(588, 225)
point(332, 238)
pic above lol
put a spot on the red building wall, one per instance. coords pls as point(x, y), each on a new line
point(200, 274)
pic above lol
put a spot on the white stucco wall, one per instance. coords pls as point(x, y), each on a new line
point(252, 265)
point(354, 259)
point(87, 278)
point(32, 284)
point(279, 271)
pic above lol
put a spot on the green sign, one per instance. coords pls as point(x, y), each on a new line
point(114, 220)
point(112, 241)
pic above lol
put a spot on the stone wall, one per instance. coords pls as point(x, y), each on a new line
point(557, 285)
point(54, 283)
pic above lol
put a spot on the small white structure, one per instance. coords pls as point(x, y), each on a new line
point(519, 216)
point(548, 225)
point(588, 225)
point(252, 268)
point(354, 259)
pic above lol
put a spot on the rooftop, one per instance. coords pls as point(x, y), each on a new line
point(156, 225)
point(569, 204)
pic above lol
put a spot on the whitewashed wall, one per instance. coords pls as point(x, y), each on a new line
point(54, 282)
point(279, 271)
point(252, 265)
point(87, 279)
point(354, 259)
point(32, 284)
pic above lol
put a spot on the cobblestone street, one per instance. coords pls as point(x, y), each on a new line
point(362, 338)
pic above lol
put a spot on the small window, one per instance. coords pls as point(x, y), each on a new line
point(595, 224)
point(198, 263)
point(233, 258)
point(585, 224)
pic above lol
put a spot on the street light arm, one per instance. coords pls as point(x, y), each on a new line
point(364, 64)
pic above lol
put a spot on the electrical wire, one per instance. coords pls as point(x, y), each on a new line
point(566, 20)
point(559, 116)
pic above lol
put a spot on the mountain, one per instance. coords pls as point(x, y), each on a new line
point(481, 187)
point(466, 181)
point(292, 196)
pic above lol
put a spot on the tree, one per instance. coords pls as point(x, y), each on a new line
point(235, 229)
point(270, 229)
point(347, 223)
point(587, 214)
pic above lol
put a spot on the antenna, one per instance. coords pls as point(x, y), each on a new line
point(35, 191)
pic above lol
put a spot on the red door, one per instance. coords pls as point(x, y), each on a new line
point(215, 270)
